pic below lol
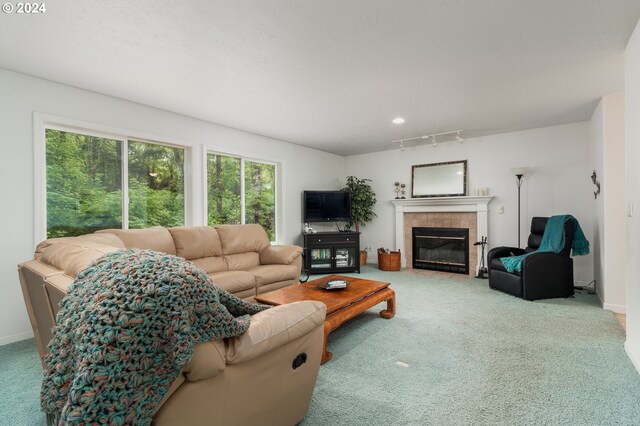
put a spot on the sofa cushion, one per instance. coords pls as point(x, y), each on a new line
point(234, 281)
point(497, 265)
point(195, 242)
point(242, 261)
point(242, 238)
point(284, 255)
point(211, 264)
point(267, 274)
point(156, 238)
point(72, 255)
point(102, 239)
point(266, 288)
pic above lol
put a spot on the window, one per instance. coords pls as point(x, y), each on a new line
point(224, 190)
point(89, 179)
point(84, 183)
point(241, 191)
point(156, 185)
point(260, 195)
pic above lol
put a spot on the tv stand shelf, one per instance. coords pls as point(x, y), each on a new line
point(331, 252)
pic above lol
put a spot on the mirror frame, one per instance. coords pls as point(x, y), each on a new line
point(455, 194)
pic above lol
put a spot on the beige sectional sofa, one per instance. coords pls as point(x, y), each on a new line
point(239, 258)
point(246, 380)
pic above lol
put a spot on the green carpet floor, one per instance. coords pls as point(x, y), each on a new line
point(475, 357)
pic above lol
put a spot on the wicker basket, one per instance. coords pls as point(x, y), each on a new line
point(389, 261)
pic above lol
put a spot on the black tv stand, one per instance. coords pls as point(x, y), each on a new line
point(331, 252)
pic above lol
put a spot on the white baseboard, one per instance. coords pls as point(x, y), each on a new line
point(618, 309)
point(15, 338)
point(633, 356)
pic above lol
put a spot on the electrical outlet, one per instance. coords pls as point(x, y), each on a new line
point(630, 209)
point(500, 209)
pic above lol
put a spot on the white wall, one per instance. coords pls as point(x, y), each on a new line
point(559, 185)
point(606, 133)
point(596, 140)
point(632, 146)
point(22, 95)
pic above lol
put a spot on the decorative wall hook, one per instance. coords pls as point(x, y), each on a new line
point(596, 182)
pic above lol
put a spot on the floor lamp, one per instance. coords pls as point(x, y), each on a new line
point(519, 172)
point(519, 183)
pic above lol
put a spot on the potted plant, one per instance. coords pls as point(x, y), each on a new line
point(362, 201)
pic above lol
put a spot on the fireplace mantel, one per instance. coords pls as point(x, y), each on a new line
point(441, 205)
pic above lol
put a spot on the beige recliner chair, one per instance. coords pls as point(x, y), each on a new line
point(263, 377)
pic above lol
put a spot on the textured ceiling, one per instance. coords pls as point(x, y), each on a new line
point(332, 74)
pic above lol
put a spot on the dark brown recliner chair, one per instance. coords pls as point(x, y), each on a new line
point(543, 275)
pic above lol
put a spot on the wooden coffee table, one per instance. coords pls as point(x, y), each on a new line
point(342, 305)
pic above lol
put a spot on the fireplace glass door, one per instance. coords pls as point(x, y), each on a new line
point(441, 249)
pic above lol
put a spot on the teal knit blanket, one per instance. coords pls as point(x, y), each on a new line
point(124, 333)
point(553, 241)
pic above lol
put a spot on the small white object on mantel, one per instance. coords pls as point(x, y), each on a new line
point(442, 205)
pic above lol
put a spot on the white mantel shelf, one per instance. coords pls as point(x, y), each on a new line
point(441, 204)
point(442, 201)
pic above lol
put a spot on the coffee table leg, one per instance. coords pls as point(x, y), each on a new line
point(326, 355)
point(337, 319)
point(391, 305)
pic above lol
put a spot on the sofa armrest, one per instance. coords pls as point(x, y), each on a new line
point(274, 328)
point(208, 360)
point(280, 255)
point(503, 252)
point(546, 275)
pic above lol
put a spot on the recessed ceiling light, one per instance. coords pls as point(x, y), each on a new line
point(398, 120)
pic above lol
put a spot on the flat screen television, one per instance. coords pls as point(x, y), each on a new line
point(327, 206)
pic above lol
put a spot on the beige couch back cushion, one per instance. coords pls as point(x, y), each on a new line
point(156, 238)
point(237, 239)
point(196, 242)
point(103, 239)
point(201, 245)
point(242, 261)
point(74, 254)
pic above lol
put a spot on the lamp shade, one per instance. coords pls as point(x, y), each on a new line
point(521, 170)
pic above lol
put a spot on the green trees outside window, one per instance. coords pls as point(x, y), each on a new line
point(84, 184)
point(227, 187)
point(156, 185)
point(85, 189)
point(260, 195)
point(224, 190)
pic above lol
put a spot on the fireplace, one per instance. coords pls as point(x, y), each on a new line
point(441, 249)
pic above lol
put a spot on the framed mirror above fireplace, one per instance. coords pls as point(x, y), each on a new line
point(439, 179)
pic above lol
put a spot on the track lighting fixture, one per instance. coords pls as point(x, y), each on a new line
point(434, 141)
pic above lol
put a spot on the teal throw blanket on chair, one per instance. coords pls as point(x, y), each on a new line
point(553, 242)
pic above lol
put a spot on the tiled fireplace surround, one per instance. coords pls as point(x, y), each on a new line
point(441, 212)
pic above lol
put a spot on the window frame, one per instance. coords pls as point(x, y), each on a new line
point(278, 186)
point(43, 122)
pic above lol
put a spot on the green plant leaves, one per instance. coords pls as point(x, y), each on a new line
point(363, 198)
